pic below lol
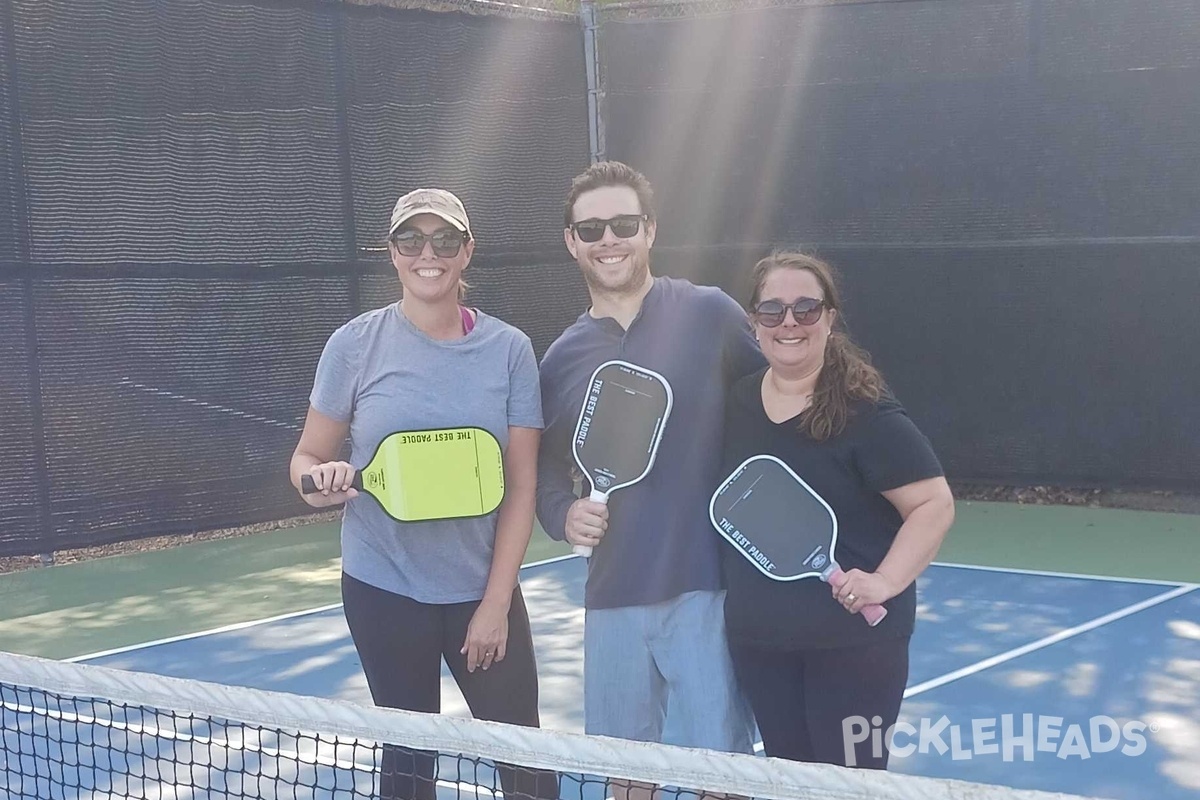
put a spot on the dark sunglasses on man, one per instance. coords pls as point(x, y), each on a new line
point(623, 226)
point(446, 243)
point(806, 310)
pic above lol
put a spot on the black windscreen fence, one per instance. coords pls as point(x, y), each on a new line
point(9, 147)
point(1010, 190)
point(194, 195)
point(207, 187)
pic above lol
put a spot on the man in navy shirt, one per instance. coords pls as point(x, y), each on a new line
point(654, 635)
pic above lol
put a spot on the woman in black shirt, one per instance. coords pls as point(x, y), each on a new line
point(824, 685)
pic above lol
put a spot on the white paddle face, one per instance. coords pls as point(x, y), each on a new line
point(621, 423)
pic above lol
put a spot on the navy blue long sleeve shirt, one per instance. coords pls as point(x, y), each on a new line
point(659, 543)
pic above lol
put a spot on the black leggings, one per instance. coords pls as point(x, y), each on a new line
point(401, 644)
point(801, 698)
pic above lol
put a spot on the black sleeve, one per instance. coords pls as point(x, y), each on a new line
point(740, 353)
point(890, 452)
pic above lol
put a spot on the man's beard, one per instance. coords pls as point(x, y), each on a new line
point(633, 280)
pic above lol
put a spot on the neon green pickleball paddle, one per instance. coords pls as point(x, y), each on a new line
point(445, 473)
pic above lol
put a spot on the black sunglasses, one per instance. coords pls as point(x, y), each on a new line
point(623, 226)
point(446, 243)
point(806, 310)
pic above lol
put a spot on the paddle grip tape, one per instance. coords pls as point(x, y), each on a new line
point(874, 614)
point(596, 496)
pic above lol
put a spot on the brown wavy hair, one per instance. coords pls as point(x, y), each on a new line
point(609, 173)
point(847, 374)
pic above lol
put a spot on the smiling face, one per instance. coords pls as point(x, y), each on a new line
point(429, 277)
point(792, 348)
point(612, 265)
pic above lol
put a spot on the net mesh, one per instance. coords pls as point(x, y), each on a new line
point(78, 731)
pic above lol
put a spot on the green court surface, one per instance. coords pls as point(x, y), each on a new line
point(82, 608)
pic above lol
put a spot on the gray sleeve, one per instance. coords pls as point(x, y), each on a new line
point(525, 394)
point(336, 381)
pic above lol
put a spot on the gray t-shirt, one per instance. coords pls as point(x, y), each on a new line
point(382, 374)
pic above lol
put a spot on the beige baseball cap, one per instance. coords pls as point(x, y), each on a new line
point(430, 201)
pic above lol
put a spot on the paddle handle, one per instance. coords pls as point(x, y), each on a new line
point(309, 486)
point(596, 496)
point(874, 614)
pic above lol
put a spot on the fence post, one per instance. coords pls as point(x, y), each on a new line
point(589, 18)
point(24, 250)
point(341, 86)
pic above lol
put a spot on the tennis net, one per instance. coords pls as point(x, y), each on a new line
point(79, 731)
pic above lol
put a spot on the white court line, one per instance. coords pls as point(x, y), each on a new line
point(988, 663)
point(210, 406)
point(1044, 642)
point(913, 691)
point(1050, 574)
point(327, 757)
point(557, 559)
point(237, 626)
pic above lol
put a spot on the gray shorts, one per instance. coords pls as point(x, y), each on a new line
point(662, 673)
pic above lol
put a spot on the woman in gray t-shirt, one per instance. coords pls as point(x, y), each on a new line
point(417, 592)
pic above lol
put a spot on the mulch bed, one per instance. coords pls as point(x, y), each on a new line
point(18, 563)
point(1150, 500)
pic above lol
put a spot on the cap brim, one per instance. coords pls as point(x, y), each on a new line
point(418, 212)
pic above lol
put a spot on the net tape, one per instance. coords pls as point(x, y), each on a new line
point(342, 722)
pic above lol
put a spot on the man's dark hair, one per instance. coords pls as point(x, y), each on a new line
point(609, 173)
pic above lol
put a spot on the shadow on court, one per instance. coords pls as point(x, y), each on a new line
point(1039, 681)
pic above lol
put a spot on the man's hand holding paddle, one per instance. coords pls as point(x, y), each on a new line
point(587, 522)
